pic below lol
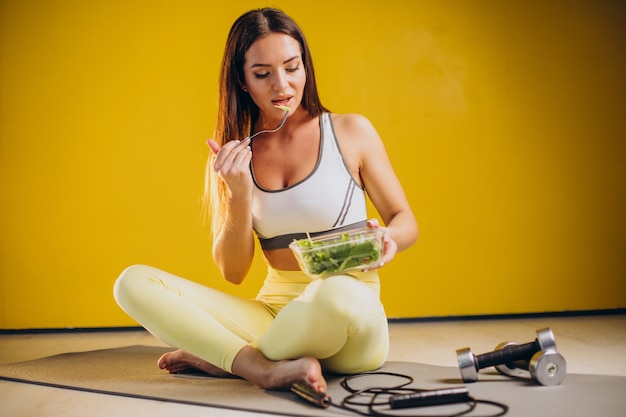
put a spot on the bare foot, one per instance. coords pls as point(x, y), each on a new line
point(180, 362)
point(253, 366)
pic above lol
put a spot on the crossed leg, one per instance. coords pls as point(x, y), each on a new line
point(213, 329)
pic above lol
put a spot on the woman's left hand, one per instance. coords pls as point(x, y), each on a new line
point(389, 245)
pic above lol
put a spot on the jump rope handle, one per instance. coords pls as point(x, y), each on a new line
point(319, 399)
point(430, 397)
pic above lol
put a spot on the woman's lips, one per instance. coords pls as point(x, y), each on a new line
point(281, 102)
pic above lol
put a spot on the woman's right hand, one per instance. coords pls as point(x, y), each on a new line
point(232, 165)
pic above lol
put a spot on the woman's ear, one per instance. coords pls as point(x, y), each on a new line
point(242, 85)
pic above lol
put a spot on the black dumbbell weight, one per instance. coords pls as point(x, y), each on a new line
point(545, 340)
point(470, 364)
point(546, 367)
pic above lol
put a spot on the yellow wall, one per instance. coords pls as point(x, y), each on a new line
point(505, 120)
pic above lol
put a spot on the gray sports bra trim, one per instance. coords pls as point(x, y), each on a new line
point(347, 215)
point(280, 190)
point(283, 241)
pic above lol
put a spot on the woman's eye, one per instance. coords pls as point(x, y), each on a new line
point(294, 69)
point(262, 75)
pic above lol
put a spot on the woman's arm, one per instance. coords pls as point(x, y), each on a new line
point(367, 158)
point(233, 245)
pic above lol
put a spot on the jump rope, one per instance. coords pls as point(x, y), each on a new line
point(381, 402)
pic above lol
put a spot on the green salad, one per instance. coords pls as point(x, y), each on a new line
point(338, 257)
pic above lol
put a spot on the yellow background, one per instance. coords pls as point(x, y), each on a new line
point(504, 119)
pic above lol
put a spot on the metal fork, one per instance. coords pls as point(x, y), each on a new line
point(282, 122)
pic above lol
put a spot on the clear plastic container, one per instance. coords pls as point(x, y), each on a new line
point(341, 252)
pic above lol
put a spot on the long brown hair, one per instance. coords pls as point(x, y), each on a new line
point(236, 111)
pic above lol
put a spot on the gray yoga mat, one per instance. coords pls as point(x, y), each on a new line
point(132, 372)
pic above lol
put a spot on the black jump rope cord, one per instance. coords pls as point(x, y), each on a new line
point(373, 401)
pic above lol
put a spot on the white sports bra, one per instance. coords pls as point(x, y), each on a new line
point(328, 199)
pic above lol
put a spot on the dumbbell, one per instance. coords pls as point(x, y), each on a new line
point(545, 341)
point(545, 367)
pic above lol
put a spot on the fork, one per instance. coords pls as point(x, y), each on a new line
point(282, 122)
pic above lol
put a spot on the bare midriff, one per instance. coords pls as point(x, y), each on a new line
point(281, 259)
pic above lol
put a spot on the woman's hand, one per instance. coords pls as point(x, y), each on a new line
point(389, 245)
point(232, 165)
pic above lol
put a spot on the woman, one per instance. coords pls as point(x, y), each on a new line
point(308, 176)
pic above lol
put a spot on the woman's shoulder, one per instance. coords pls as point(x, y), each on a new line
point(354, 126)
point(351, 121)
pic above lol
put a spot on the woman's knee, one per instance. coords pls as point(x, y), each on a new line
point(345, 294)
point(129, 282)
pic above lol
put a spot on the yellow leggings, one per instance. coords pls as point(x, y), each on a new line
point(339, 320)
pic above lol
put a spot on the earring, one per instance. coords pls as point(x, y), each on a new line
point(245, 89)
